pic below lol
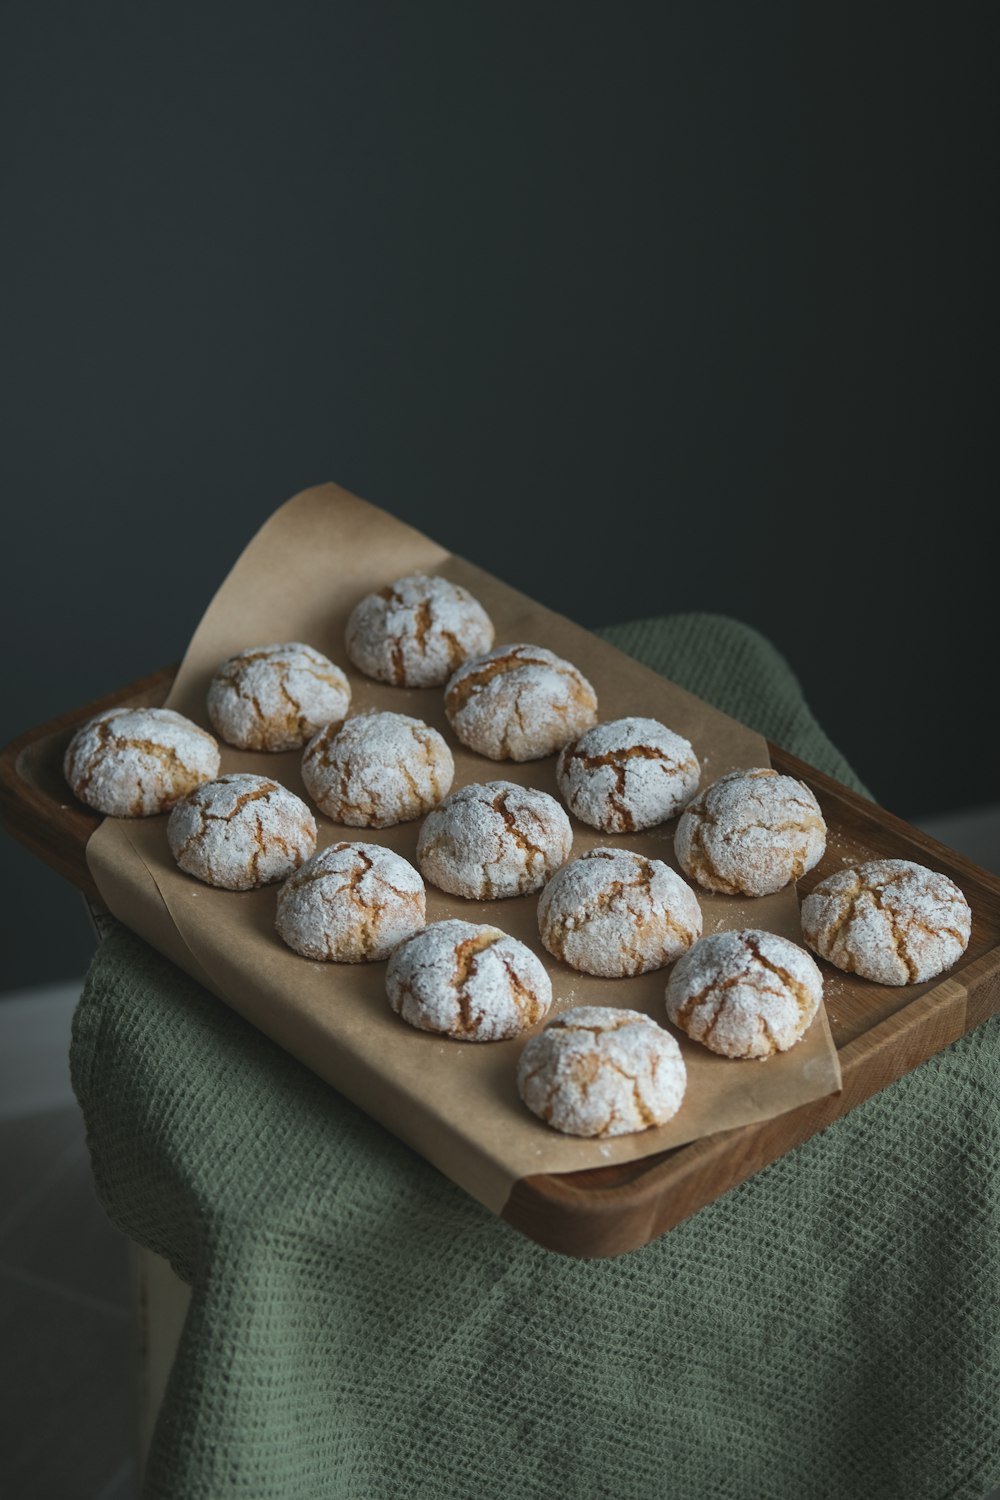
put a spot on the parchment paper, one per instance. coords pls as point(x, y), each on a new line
point(456, 1103)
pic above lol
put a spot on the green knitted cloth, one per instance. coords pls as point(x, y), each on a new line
point(359, 1328)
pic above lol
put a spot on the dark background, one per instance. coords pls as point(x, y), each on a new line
point(645, 308)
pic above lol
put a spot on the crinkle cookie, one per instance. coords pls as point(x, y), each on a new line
point(276, 697)
point(379, 769)
point(240, 832)
point(467, 981)
point(744, 994)
point(417, 631)
point(351, 903)
point(890, 920)
point(596, 1071)
point(134, 762)
point(627, 775)
point(750, 833)
point(612, 913)
point(493, 839)
point(519, 703)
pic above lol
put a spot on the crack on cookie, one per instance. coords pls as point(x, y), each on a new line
point(527, 1004)
point(423, 619)
point(456, 651)
point(473, 681)
point(500, 805)
point(595, 1028)
point(641, 1108)
point(432, 756)
point(795, 988)
point(255, 794)
point(468, 951)
point(617, 816)
point(296, 723)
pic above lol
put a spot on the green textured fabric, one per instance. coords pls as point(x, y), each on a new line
point(359, 1328)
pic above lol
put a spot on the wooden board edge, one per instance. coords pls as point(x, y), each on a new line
point(879, 819)
point(28, 813)
point(569, 1214)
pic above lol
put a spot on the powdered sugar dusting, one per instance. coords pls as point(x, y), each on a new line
point(890, 920)
point(276, 697)
point(628, 774)
point(377, 770)
point(519, 703)
point(744, 993)
point(351, 903)
point(612, 913)
point(597, 1071)
point(135, 762)
point(468, 981)
point(750, 833)
point(241, 832)
point(417, 631)
point(494, 839)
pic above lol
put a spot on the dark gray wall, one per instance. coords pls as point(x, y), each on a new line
point(643, 307)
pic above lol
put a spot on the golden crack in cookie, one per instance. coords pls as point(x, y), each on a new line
point(276, 697)
point(417, 631)
point(614, 913)
point(890, 920)
point(136, 762)
point(628, 774)
point(377, 770)
point(598, 1071)
point(351, 903)
point(744, 994)
point(519, 703)
point(493, 839)
point(468, 981)
point(240, 832)
point(750, 833)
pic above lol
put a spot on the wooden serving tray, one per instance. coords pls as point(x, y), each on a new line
point(881, 1031)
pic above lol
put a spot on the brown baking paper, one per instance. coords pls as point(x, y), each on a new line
point(454, 1102)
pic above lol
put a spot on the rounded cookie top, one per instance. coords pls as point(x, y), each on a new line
point(596, 1071)
point(240, 832)
point(468, 981)
point(351, 903)
point(519, 703)
point(744, 994)
point(614, 913)
point(890, 920)
point(134, 762)
point(377, 770)
point(750, 833)
point(276, 697)
point(417, 631)
point(492, 839)
point(628, 774)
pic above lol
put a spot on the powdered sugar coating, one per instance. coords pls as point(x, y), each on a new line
point(276, 697)
point(519, 703)
point(240, 832)
point(377, 770)
point(628, 774)
point(135, 762)
point(750, 833)
point(890, 920)
point(351, 903)
point(492, 839)
point(744, 994)
point(417, 631)
point(468, 981)
point(596, 1071)
point(613, 913)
